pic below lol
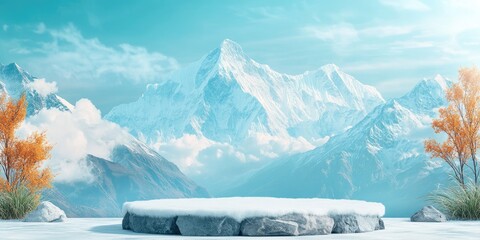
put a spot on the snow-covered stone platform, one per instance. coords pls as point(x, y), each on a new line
point(252, 216)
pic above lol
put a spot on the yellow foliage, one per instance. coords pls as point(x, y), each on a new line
point(21, 159)
point(460, 121)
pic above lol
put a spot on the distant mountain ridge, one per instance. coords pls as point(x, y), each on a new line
point(379, 159)
point(14, 81)
point(136, 173)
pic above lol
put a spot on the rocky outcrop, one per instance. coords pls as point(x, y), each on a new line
point(146, 224)
point(294, 224)
point(208, 226)
point(357, 224)
point(428, 214)
point(287, 225)
point(46, 212)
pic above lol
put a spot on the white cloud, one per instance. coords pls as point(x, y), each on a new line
point(206, 160)
point(414, 5)
point(386, 31)
point(73, 57)
point(5, 27)
point(40, 28)
point(396, 64)
point(74, 135)
point(188, 149)
point(43, 87)
point(344, 33)
point(409, 44)
point(472, 5)
point(263, 145)
point(258, 14)
point(183, 151)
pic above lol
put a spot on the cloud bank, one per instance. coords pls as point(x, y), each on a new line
point(43, 87)
point(215, 163)
point(77, 57)
point(74, 135)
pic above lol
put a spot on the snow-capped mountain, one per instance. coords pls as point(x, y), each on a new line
point(133, 171)
point(226, 96)
point(379, 159)
point(15, 81)
point(228, 113)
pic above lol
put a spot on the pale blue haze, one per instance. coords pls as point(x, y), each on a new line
point(388, 44)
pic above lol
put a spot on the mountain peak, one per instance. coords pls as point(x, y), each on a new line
point(442, 81)
point(13, 67)
point(329, 68)
point(229, 56)
point(427, 94)
point(15, 73)
point(229, 45)
point(230, 50)
point(438, 82)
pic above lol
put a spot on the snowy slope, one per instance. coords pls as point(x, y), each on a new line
point(226, 96)
point(133, 171)
point(15, 81)
point(111, 229)
point(379, 159)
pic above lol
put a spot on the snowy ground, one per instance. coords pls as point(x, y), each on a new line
point(110, 228)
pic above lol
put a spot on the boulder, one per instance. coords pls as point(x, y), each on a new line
point(145, 224)
point(46, 212)
point(428, 214)
point(208, 226)
point(287, 225)
point(357, 224)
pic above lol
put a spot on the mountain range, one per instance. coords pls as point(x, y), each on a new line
point(379, 159)
point(133, 171)
point(228, 99)
point(226, 95)
point(239, 128)
point(374, 149)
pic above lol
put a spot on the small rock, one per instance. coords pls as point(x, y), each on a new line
point(428, 214)
point(46, 212)
point(381, 225)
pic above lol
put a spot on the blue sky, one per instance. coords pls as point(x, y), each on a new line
point(108, 51)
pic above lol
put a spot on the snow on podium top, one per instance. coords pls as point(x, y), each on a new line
point(241, 208)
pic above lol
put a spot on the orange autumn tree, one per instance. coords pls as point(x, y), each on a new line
point(21, 159)
point(460, 121)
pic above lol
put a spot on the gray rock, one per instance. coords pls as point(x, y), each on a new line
point(144, 224)
point(46, 212)
point(208, 226)
point(287, 225)
point(356, 224)
point(428, 214)
point(126, 221)
point(381, 224)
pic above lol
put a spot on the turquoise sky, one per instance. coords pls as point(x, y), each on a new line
point(108, 51)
